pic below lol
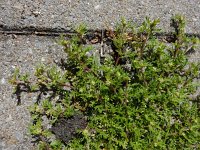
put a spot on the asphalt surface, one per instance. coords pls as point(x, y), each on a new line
point(26, 51)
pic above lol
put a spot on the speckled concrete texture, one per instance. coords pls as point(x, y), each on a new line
point(96, 13)
point(25, 52)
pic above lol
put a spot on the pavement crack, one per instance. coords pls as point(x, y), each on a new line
point(91, 34)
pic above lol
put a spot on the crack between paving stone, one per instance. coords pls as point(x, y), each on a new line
point(44, 31)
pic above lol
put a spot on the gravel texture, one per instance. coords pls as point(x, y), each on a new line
point(25, 52)
point(95, 13)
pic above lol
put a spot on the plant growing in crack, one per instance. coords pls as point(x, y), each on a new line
point(137, 97)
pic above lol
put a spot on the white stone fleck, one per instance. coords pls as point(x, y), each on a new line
point(3, 81)
point(194, 19)
point(43, 59)
point(36, 13)
point(97, 7)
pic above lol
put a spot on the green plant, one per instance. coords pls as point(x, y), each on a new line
point(136, 98)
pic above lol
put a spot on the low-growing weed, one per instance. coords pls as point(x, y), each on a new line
point(136, 97)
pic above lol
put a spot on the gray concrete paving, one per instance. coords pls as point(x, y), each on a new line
point(96, 13)
point(25, 52)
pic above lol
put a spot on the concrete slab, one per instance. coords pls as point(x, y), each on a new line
point(25, 52)
point(95, 13)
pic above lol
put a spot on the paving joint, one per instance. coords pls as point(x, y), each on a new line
point(43, 31)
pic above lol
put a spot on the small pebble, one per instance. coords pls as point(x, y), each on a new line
point(36, 13)
point(97, 7)
point(43, 59)
point(3, 81)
